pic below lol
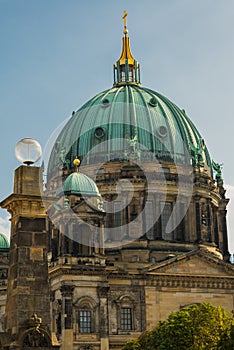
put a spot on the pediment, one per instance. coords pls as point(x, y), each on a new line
point(198, 263)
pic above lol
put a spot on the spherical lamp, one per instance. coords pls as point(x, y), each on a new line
point(28, 151)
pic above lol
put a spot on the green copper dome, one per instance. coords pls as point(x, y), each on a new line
point(103, 129)
point(128, 121)
point(4, 244)
point(79, 184)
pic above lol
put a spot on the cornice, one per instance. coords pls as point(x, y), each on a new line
point(159, 280)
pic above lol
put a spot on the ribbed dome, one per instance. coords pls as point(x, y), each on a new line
point(103, 128)
point(4, 244)
point(80, 185)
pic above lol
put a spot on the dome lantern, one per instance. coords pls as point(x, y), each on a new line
point(126, 69)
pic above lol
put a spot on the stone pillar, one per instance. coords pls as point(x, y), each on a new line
point(101, 242)
point(67, 317)
point(28, 289)
point(104, 320)
point(222, 227)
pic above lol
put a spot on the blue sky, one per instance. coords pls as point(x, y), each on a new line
point(57, 54)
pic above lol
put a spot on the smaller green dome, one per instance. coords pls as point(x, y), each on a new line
point(4, 244)
point(79, 184)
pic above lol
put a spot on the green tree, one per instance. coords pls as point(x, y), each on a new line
point(196, 327)
point(132, 345)
point(227, 339)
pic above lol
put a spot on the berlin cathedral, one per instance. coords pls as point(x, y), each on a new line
point(129, 225)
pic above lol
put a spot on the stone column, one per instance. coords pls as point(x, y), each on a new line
point(222, 226)
point(103, 316)
point(67, 317)
point(28, 288)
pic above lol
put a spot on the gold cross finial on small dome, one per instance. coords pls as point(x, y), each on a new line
point(125, 22)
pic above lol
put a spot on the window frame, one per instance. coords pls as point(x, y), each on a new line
point(126, 319)
point(125, 302)
point(86, 325)
point(86, 304)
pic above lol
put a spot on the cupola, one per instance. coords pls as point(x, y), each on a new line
point(126, 69)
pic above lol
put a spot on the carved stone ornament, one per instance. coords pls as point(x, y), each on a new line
point(103, 291)
point(67, 291)
point(34, 337)
point(86, 347)
point(35, 321)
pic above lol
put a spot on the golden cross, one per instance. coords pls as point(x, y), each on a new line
point(125, 18)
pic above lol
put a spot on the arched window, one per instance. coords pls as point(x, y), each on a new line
point(125, 313)
point(85, 311)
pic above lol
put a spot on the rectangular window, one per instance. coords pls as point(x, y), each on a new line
point(181, 227)
point(149, 220)
point(75, 244)
point(85, 321)
point(166, 170)
point(117, 214)
point(126, 318)
point(166, 210)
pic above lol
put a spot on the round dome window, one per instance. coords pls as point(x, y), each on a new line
point(162, 131)
point(105, 102)
point(99, 132)
point(153, 102)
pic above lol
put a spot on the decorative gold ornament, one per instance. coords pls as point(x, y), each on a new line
point(76, 162)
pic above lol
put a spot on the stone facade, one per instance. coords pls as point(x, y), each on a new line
point(27, 289)
point(100, 297)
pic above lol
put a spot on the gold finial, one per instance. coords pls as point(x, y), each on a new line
point(76, 163)
point(125, 22)
point(126, 51)
point(126, 69)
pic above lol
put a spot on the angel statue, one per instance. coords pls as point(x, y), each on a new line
point(218, 168)
point(197, 153)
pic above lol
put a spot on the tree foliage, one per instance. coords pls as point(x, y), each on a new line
point(196, 327)
point(227, 339)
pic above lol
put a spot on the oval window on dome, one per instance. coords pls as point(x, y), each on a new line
point(99, 132)
point(105, 102)
point(153, 102)
point(162, 131)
